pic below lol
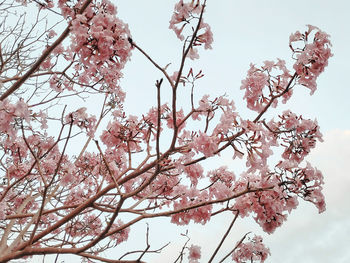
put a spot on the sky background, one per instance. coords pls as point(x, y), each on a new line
point(250, 32)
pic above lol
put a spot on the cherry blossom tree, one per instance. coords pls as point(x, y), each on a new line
point(74, 182)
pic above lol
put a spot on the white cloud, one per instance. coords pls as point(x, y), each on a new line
point(307, 236)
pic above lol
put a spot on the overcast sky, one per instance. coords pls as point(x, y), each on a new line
point(250, 32)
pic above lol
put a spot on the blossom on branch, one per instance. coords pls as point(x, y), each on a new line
point(77, 181)
point(252, 251)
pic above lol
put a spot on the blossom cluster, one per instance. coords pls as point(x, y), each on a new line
point(252, 251)
point(263, 84)
point(273, 80)
point(194, 254)
point(297, 135)
point(183, 14)
point(187, 198)
point(82, 120)
point(311, 54)
point(101, 41)
point(142, 167)
point(9, 112)
point(271, 207)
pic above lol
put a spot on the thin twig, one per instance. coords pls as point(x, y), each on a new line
point(45, 54)
point(158, 85)
point(224, 237)
point(233, 250)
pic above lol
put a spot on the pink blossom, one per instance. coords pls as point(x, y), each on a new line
point(269, 207)
point(69, 170)
point(181, 13)
point(194, 172)
point(253, 86)
point(312, 58)
point(313, 179)
point(179, 118)
point(295, 37)
point(299, 136)
point(3, 208)
point(220, 190)
point(228, 121)
point(204, 104)
point(206, 37)
point(251, 251)
point(152, 115)
point(258, 145)
point(52, 33)
point(267, 83)
point(22, 110)
point(82, 120)
point(269, 65)
point(193, 54)
point(46, 64)
point(102, 40)
point(42, 117)
point(55, 83)
point(187, 198)
point(194, 253)
point(205, 144)
point(122, 235)
point(222, 174)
